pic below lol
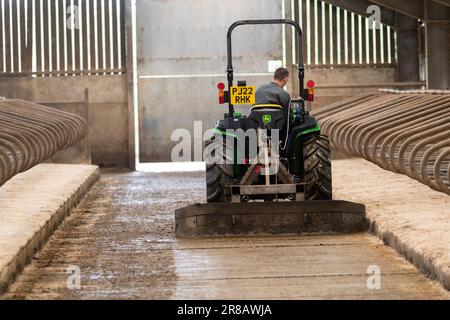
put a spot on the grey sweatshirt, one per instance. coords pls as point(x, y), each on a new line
point(272, 93)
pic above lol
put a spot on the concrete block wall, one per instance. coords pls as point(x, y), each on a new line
point(80, 153)
point(344, 76)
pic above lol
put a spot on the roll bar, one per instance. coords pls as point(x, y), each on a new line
point(230, 69)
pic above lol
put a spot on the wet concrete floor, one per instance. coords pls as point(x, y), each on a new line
point(121, 239)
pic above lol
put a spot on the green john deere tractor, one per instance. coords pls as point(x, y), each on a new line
point(268, 172)
point(301, 153)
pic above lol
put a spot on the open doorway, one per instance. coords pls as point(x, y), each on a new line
point(178, 59)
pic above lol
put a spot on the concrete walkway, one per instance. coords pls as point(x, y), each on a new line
point(312, 267)
point(121, 239)
point(32, 205)
point(406, 214)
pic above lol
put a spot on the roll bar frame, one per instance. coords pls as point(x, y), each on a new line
point(230, 68)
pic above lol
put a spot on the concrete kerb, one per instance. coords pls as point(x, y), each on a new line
point(26, 253)
point(420, 259)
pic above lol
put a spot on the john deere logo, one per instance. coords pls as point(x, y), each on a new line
point(267, 118)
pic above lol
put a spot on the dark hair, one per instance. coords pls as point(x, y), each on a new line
point(281, 74)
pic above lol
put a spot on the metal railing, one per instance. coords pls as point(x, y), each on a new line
point(406, 133)
point(31, 133)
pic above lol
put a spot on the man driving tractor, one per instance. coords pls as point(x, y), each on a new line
point(273, 92)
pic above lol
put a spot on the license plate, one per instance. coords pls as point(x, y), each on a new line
point(243, 95)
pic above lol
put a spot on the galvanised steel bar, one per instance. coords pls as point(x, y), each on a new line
point(32, 133)
point(404, 132)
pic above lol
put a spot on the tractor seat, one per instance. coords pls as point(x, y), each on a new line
point(266, 107)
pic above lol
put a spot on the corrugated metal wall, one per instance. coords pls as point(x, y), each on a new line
point(334, 36)
point(62, 37)
point(87, 36)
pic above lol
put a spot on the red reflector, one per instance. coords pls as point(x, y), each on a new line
point(311, 95)
point(221, 97)
point(221, 86)
point(311, 84)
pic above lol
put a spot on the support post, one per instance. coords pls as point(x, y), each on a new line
point(130, 85)
point(408, 64)
point(437, 45)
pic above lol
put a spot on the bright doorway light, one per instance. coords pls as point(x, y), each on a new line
point(161, 167)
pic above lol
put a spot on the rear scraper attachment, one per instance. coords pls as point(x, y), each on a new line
point(270, 218)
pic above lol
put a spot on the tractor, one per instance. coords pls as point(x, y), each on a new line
point(301, 155)
point(268, 172)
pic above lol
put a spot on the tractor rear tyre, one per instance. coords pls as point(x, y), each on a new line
point(317, 164)
point(218, 175)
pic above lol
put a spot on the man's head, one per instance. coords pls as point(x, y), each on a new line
point(281, 77)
